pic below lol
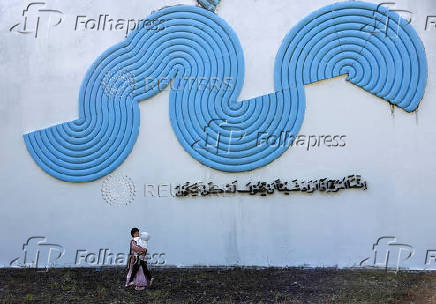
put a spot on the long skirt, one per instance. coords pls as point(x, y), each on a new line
point(139, 281)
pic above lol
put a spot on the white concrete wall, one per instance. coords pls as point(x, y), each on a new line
point(395, 152)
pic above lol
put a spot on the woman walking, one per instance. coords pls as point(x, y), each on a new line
point(138, 275)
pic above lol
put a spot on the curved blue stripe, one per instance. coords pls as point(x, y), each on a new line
point(384, 58)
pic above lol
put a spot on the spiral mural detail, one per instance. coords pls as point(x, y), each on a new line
point(378, 50)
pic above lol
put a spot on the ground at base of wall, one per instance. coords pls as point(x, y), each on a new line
point(237, 285)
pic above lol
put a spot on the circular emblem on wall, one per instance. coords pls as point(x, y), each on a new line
point(118, 190)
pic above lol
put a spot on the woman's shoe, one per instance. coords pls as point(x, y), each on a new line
point(150, 282)
point(128, 284)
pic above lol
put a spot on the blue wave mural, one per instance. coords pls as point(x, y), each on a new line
point(201, 55)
